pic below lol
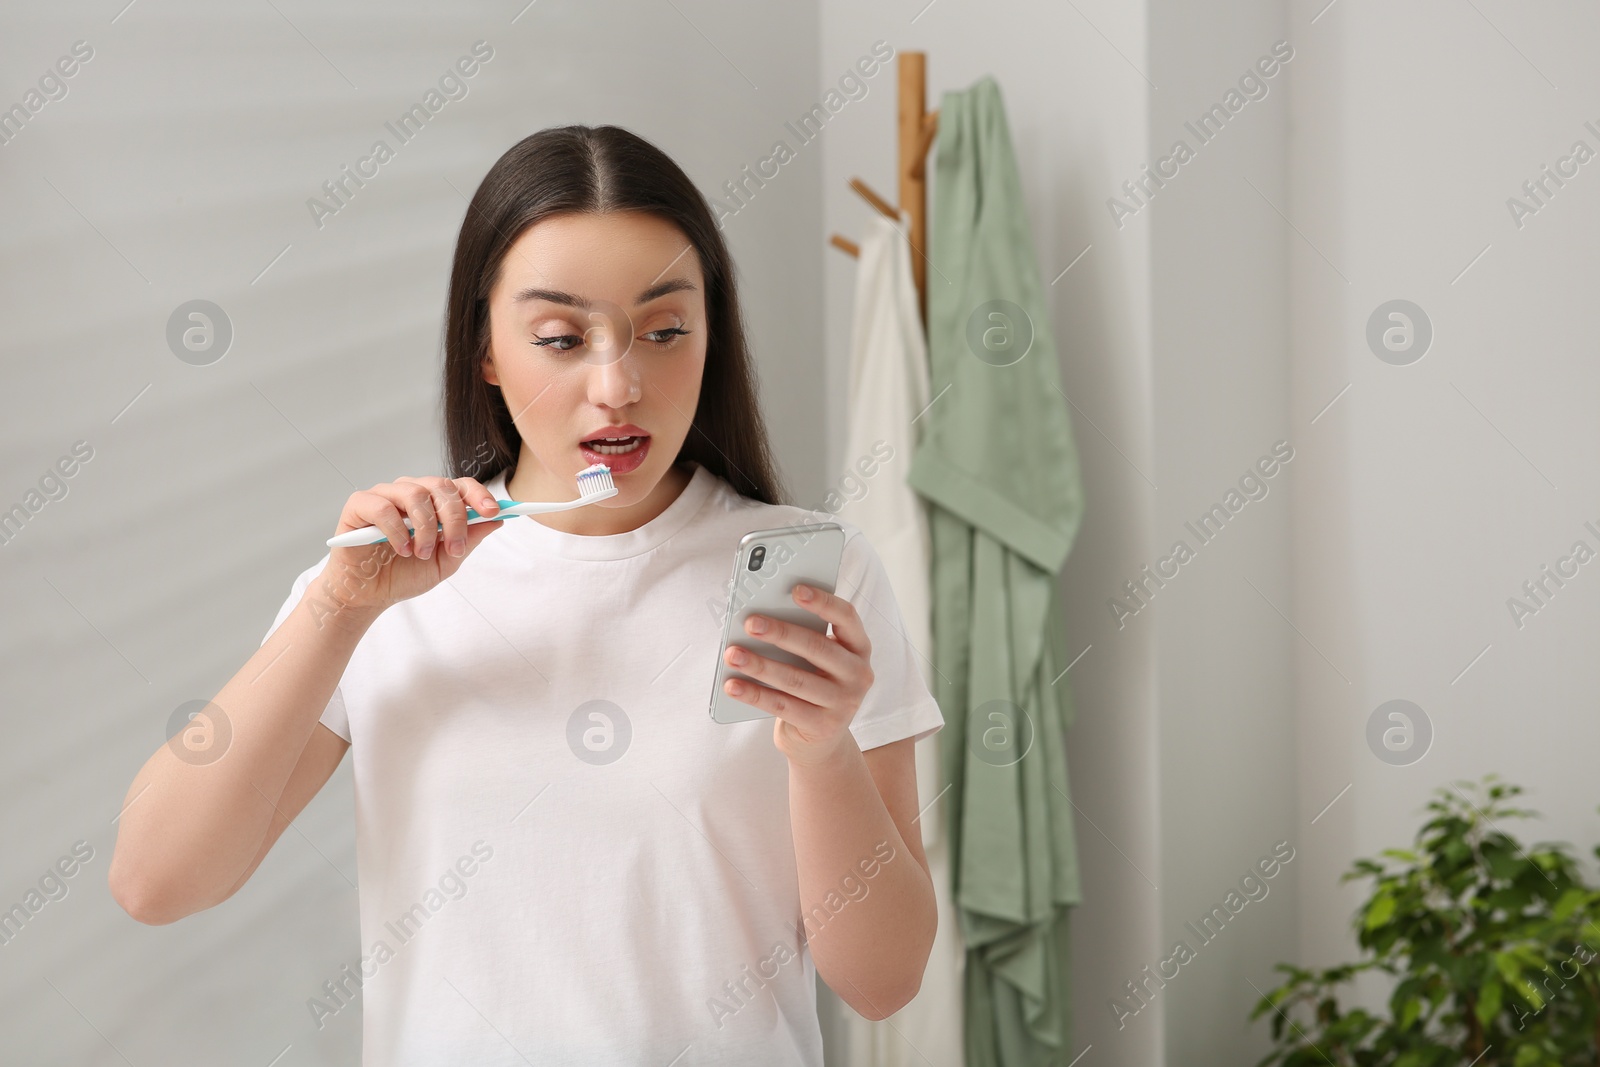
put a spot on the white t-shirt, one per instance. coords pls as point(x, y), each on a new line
point(519, 899)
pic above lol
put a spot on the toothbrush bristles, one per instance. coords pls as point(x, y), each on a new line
point(595, 479)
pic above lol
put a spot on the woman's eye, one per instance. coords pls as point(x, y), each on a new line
point(672, 333)
point(573, 340)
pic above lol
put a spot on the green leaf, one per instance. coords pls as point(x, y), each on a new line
point(1490, 996)
point(1570, 901)
point(1380, 911)
point(1410, 1010)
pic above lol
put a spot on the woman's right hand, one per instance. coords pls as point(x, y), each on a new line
point(369, 578)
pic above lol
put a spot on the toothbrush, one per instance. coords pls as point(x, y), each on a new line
point(594, 484)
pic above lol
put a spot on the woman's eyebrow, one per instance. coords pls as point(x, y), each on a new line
point(557, 296)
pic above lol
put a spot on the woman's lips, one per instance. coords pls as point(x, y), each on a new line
point(619, 463)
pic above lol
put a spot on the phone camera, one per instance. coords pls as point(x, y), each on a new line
point(757, 554)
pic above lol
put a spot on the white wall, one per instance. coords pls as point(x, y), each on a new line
point(178, 166)
point(1431, 492)
point(1219, 261)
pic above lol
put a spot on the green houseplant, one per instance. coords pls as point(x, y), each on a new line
point(1492, 946)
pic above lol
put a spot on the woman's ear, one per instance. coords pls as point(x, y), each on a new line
point(488, 371)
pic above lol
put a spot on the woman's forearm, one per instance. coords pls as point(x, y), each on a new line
point(190, 827)
point(867, 904)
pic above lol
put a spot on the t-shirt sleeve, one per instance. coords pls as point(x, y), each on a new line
point(898, 705)
point(334, 716)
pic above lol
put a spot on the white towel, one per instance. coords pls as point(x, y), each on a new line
point(888, 388)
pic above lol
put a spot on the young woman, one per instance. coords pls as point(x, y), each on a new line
point(562, 859)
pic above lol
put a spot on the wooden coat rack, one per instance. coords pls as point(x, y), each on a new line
point(917, 128)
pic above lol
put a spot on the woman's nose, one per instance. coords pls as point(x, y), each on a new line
point(614, 377)
point(613, 366)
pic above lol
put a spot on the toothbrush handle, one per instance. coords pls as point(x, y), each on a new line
point(372, 535)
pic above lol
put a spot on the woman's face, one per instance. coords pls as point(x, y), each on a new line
point(598, 321)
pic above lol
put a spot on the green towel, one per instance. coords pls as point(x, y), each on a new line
point(996, 463)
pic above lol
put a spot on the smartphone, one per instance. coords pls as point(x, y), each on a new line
point(766, 568)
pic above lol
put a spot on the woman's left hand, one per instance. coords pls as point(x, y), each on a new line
point(813, 711)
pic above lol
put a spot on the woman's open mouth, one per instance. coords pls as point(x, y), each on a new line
point(621, 454)
point(614, 446)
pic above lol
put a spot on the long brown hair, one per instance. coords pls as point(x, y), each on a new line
point(596, 169)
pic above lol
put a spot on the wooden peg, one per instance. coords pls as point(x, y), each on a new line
point(874, 199)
